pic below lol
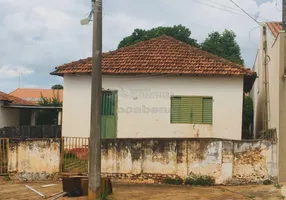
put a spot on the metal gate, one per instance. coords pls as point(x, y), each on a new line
point(4, 143)
point(74, 155)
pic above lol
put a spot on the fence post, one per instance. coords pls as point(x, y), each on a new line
point(62, 154)
point(7, 155)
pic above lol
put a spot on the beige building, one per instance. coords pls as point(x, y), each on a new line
point(269, 90)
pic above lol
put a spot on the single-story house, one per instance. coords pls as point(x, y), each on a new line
point(34, 94)
point(15, 111)
point(158, 88)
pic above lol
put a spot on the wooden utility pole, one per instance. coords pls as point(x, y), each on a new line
point(265, 81)
point(284, 15)
point(95, 119)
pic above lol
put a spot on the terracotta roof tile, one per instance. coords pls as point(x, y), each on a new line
point(275, 27)
point(34, 94)
point(161, 55)
point(13, 99)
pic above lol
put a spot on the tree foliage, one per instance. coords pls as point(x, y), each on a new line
point(247, 112)
point(223, 45)
point(48, 117)
point(57, 87)
point(179, 32)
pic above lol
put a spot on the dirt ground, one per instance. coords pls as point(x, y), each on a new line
point(11, 190)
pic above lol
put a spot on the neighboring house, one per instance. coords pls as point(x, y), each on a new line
point(269, 90)
point(269, 85)
point(10, 116)
point(158, 88)
point(34, 94)
point(15, 111)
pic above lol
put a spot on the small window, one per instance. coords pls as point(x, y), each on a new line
point(191, 110)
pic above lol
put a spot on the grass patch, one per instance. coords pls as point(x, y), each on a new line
point(7, 178)
point(73, 164)
point(200, 180)
point(173, 181)
point(104, 196)
point(278, 186)
point(267, 182)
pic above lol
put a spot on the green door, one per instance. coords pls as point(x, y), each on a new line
point(108, 114)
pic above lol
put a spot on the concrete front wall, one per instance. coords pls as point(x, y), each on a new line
point(144, 105)
point(227, 161)
point(34, 159)
point(8, 116)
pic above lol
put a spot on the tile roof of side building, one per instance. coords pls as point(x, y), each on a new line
point(14, 100)
point(161, 55)
point(274, 27)
point(34, 94)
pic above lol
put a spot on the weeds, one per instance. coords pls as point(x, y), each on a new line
point(278, 186)
point(196, 180)
point(104, 196)
point(267, 182)
point(200, 180)
point(281, 197)
point(173, 181)
point(7, 178)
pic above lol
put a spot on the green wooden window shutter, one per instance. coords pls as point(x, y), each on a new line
point(196, 112)
point(191, 110)
point(175, 109)
point(207, 110)
point(108, 103)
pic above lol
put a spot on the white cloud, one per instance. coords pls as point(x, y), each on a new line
point(9, 72)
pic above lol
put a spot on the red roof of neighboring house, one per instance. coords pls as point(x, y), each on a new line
point(161, 55)
point(275, 27)
point(34, 94)
point(14, 100)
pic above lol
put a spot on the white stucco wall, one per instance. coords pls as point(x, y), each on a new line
point(153, 92)
point(8, 116)
point(273, 67)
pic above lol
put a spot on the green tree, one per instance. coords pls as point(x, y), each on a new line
point(57, 87)
point(247, 118)
point(179, 32)
point(48, 117)
point(223, 45)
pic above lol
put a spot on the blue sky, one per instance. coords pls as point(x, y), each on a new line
point(36, 36)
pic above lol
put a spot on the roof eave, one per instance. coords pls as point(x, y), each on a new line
point(248, 82)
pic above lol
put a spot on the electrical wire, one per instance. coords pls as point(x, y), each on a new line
point(217, 7)
point(276, 6)
point(230, 9)
point(249, 35)
point(244, 11)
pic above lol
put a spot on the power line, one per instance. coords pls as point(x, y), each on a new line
point(276, 5)
point(217, 7)
point(245, 11)
point(249, 35)
point(234, 11)
point(229, 7)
